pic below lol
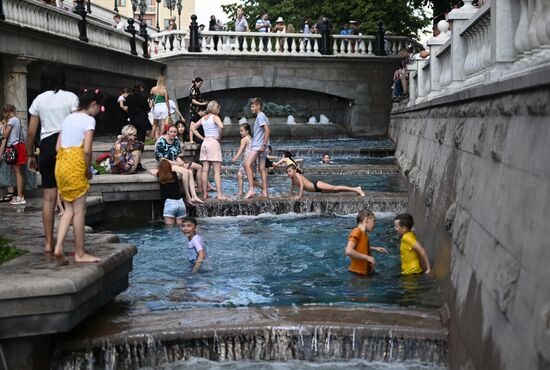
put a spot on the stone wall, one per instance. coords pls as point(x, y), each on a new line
point(364, 83)
point(477, 163)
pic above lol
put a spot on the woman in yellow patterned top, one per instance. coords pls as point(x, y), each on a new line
point(72, 171)
point(411, 250)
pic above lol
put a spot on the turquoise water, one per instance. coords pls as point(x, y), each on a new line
point(279, 184)
point(268, 261)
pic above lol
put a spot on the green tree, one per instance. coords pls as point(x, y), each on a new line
point(403, 17)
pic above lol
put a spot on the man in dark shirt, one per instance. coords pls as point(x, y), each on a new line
point(138, 109)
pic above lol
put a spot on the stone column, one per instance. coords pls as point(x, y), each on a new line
point(15, 84)
point(458, 45)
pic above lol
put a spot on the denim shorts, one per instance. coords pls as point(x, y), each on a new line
point(174, 208)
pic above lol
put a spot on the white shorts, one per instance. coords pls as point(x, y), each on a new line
point(160, 111)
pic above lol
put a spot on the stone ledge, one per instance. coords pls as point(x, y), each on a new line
point(42, 294)
point(323, 204)
point(308, 333)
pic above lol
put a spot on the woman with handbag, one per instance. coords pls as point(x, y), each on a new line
point(13, 151)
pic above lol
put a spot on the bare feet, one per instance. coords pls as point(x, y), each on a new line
point(264, 195)
point(58, 251)
point(239, 195)
point(85, 258)
point(198, 200)
point(222, 197)
point(249, 195)
point(360, 191)
point(48, 249)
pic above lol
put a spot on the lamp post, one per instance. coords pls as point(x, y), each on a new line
point(180, 8)
point(134, 7)
point(81, 11)
point(171, 4)
point(143, 28)
point(116, 6)
point(158, 11)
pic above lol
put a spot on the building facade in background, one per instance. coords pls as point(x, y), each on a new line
point(125, 9)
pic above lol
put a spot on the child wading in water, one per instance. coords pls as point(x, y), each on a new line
point(244, 150)
point(259, 145)
point(358, 247)
point(196, 250)
point(303, 183)
point(411, 250)
point(72, 171)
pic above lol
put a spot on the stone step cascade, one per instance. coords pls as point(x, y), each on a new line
point(276, 334)
point(324, 204)
point(42, 295)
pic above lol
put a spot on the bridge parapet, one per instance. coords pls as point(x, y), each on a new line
point(171, 43)
point(488, 44)
point(36, 15)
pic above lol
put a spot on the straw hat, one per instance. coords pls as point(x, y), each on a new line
point(280, 20)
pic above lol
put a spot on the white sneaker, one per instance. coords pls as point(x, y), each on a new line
point(18, 200)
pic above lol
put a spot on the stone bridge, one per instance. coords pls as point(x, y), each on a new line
point(354, 92)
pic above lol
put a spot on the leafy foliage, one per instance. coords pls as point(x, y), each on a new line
point(403, 17)
point(7, 252)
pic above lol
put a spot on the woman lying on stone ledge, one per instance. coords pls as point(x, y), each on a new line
point(303, 183)
point(168, 147)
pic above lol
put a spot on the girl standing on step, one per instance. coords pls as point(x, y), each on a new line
point(211, 151)
point(72, 171)
point(15, 143)
point(244, 149)
point(161, 107)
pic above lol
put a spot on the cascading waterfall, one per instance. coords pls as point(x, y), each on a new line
point(321, 205)
point(309, 343)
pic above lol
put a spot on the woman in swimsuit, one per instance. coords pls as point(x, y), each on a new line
point(302, 183)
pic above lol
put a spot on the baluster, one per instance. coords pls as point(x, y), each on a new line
point(543, 28)
point(370, 49)
point(229, 46)
point(203, 44)
point(521, 40)
point(394, 47)
point(302, 46)
point(246, 44)
point(294, 45)
point(335, 48)
point(212, 44)
point(269, 46)
point(315, 46)
point(253, 48)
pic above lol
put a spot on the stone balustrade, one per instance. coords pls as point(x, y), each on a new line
point(38, 16)
point(283, 44)
point(499, 40)
point(166, 43)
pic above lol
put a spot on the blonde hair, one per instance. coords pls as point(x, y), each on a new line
point(161, 82)
point(213, 107)
point(128, 130)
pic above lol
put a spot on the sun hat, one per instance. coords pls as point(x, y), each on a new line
point(280, 20)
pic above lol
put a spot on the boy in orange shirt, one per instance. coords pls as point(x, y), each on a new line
point(358, 247)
